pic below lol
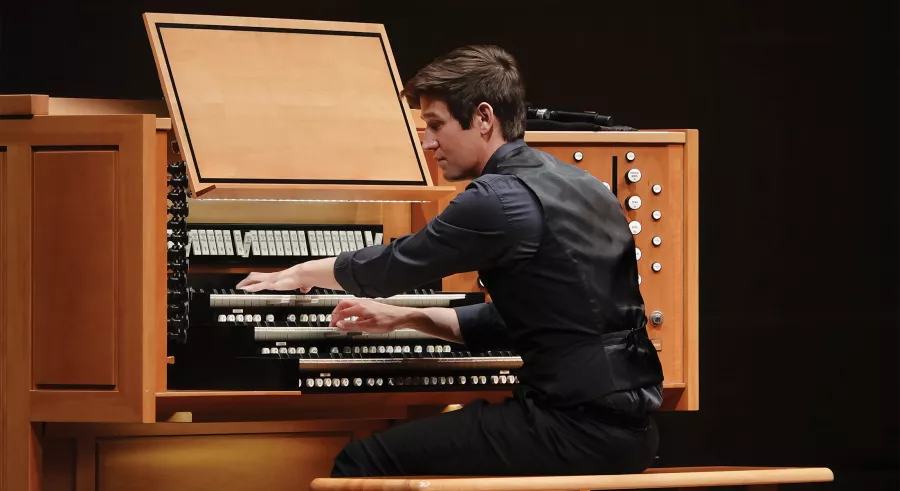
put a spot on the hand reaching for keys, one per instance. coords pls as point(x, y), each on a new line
point(364, 315)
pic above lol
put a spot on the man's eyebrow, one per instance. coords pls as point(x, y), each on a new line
point(428, 114)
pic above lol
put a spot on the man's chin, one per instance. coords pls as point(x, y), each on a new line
point(454, 176)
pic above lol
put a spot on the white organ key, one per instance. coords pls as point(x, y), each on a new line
point(270, 238)
point(336, 242)
point(379, 238)
point(254, 241)
point(204, 243)
point(238, 243)
point(313, 243)
point(320, 236)
point(282, 243)
point(351, 241)
point(217, 238)
point(195, 241)
point(213, 245)
point(263, 243)
point(286, 242)
point(329, 248)
point(226, 237)
point(295, 244)
point(301, 239)
point(357, 235)
point(327, 300)
point(369, 240)
point(187, 249)
point(345, 244)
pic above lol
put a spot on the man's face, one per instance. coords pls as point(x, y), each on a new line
point(456, 151)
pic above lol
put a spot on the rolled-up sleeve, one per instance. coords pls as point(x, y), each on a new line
point(481, 327)
point(473, 232)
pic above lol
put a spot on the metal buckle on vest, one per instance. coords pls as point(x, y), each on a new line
point(630, 339)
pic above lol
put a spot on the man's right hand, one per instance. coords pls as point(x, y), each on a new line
point(364, 315)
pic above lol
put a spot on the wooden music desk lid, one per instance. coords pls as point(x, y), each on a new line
point(288, 109)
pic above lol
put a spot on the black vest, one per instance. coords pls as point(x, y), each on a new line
point(574, 310)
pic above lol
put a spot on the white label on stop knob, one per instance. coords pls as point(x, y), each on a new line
point(657, 241)
point(607, 185)
point(657, 267)
point(634, 202)
point(634, 175)
point(578, 156)
point(657, 214)
point(635, 227)
point(637, 253)
point(657, 189)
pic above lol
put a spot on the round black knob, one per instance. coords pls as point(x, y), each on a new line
point(656, 318)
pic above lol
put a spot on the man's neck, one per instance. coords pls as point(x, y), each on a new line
point(489, 150)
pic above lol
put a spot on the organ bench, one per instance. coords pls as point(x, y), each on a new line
point(750, 478)
point(128, 361)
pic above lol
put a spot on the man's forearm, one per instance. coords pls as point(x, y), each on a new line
point(320, 273)
point(440, 322)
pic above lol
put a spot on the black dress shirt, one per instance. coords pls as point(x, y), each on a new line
point(496, 222)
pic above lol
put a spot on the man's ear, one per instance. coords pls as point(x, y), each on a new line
point(484, 117)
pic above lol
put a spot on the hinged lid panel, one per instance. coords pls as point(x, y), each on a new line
point(278, 105)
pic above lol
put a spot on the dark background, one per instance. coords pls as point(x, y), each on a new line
point(797, 104)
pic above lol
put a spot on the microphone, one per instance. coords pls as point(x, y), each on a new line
point(569, 116)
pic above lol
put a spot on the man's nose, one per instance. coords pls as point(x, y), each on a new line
point(429, 144)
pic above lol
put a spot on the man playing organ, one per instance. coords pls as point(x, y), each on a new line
point(553, 248)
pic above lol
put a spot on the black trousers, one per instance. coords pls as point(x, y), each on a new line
point(513, 437)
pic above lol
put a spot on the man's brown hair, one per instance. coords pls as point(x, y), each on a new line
point(468, 76)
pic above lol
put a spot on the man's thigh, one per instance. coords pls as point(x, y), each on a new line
point(479, 439)
point(512, 437)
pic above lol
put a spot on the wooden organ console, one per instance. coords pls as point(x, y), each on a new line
point(128, 360)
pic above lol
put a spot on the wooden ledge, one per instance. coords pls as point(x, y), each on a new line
point(210, 406)
point(673, 477)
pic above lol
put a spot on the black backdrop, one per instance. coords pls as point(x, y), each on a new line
point(797, 106)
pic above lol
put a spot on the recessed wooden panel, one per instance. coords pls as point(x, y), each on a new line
point(75, 258)
point(286, 462)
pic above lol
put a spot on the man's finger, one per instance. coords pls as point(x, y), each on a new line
point(352, 311)
point(251, 278)
point(356, 326)
point(255, 287)
point(343, 304)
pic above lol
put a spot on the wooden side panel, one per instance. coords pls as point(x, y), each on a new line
point(690, 399)
point(4, 369)
point(82, 289)
point(21, 457)
point(76, 264)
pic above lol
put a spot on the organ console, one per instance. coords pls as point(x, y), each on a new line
point(126, 225)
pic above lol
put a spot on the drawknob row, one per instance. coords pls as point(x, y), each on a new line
point(177, 300)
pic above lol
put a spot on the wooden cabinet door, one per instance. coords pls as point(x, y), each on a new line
point(84, 283)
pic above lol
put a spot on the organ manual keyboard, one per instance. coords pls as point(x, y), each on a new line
point(126, 225)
